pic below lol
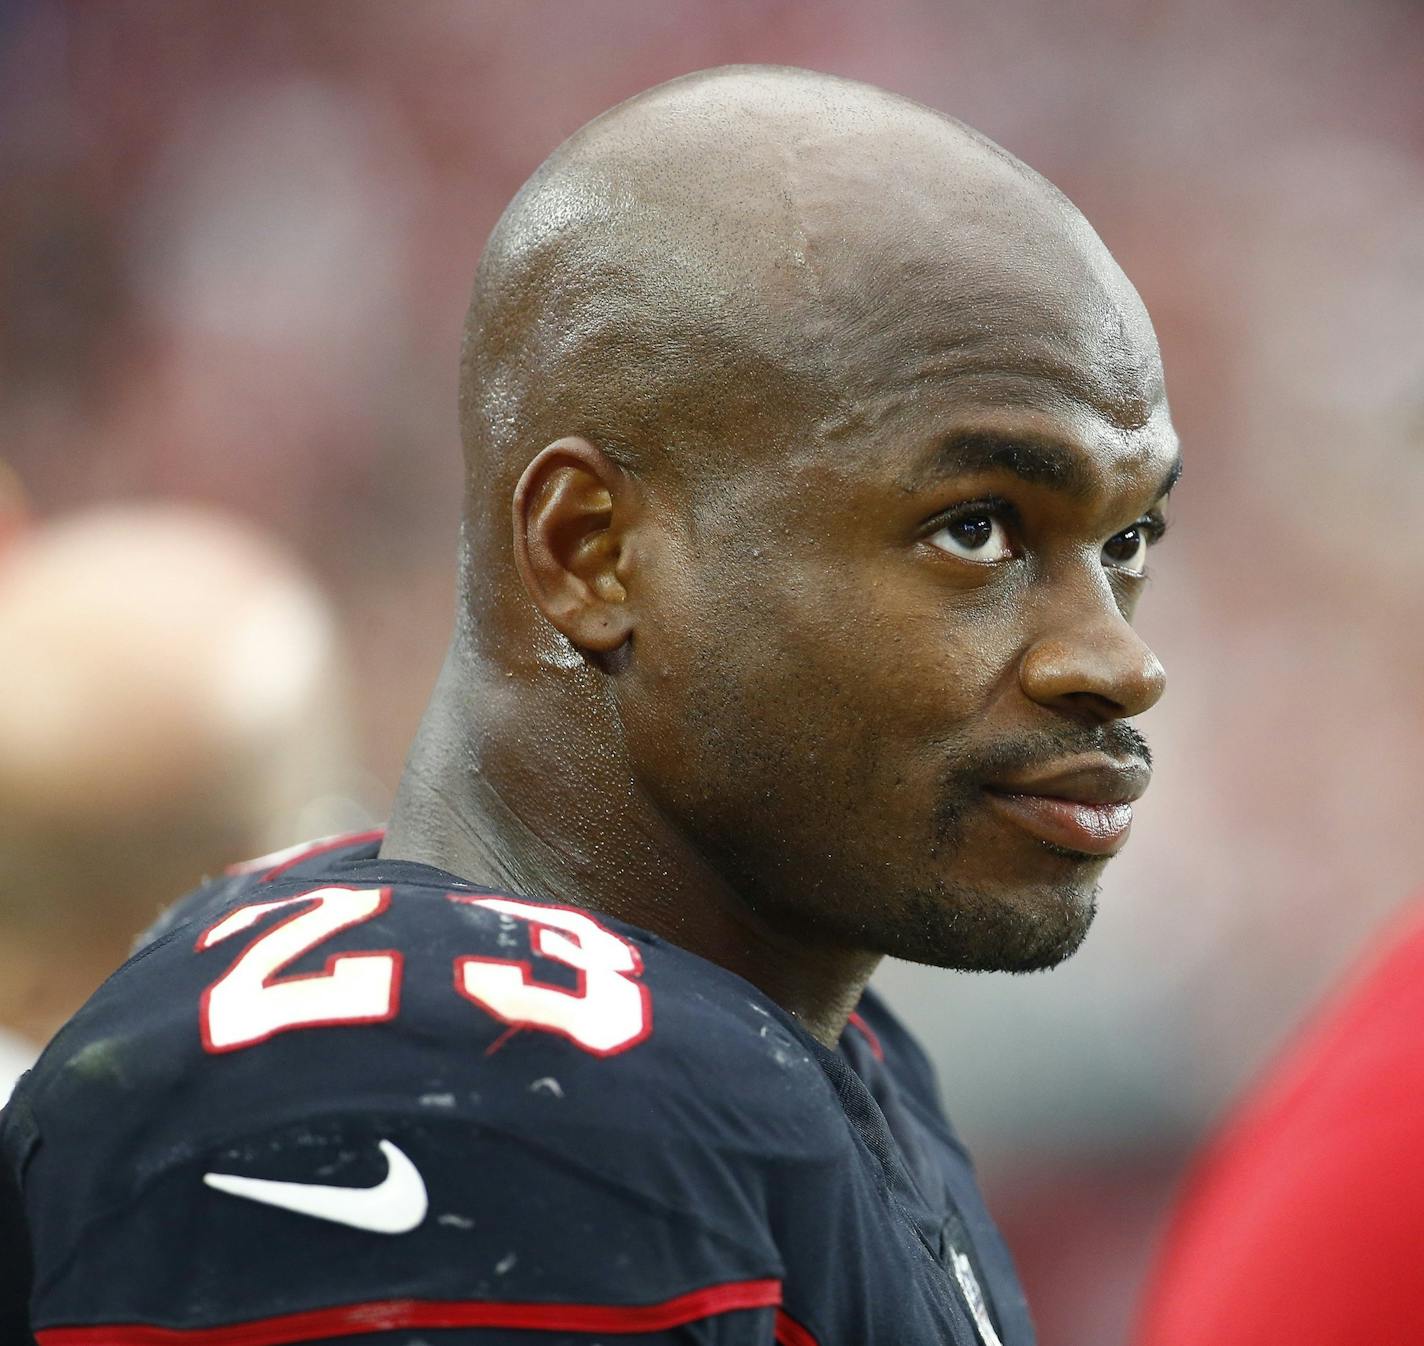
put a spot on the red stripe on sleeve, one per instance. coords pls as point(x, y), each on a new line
point(790, 1333)
point(391, 1315)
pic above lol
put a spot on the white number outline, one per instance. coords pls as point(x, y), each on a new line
point(545, 938)
point(255, 964)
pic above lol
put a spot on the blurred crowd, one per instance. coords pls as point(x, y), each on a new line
point(235, 247)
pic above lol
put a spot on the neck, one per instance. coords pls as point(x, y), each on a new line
point(528, 798)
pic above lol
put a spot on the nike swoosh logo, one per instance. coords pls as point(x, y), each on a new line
point(395, 1205)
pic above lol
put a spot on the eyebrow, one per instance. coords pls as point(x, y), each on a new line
point(1040, 462)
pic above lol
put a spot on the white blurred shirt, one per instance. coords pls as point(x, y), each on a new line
point(16, 1057)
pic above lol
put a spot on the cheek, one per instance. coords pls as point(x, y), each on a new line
point(912, 665)
point(811, 695)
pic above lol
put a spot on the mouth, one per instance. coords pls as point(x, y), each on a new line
point(1083, 805)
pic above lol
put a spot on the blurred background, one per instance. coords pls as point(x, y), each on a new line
point(236, 242)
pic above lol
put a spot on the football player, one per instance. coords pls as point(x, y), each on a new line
point(814, 450)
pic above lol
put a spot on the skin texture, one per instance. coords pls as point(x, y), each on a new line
point(725, 666)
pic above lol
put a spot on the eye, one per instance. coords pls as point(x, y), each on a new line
point(978, 535)
point(1127, 550)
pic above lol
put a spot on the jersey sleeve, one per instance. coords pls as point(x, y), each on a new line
point(16, 1139)
point(349, 1220)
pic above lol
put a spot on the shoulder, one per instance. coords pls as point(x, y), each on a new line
point(278, 988)
point(587, 1111)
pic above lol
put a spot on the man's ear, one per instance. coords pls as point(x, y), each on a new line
point(572, 510)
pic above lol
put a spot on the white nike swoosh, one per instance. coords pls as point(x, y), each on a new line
point(395, 1205)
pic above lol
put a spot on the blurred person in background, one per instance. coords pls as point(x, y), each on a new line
point(171, 701)
point(814, 448)
point(1304, 1219)
point(14, 511)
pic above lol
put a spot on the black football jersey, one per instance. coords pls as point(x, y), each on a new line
point(340, 1098)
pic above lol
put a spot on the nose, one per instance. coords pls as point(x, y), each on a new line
point(1093, 667)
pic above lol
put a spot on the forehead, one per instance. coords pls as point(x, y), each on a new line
point(889, 245)
point(901, 270)
point(1041, 314)
point(1048, 421)
point(1021, 325)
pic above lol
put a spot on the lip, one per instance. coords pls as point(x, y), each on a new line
point(1083, 805)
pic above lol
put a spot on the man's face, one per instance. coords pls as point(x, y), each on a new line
point(886, 686)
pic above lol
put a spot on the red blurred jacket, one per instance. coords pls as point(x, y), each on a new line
point(1303, 1224)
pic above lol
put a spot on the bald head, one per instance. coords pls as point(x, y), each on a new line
point(751, 256)
point(814, 447)
point(168, 703)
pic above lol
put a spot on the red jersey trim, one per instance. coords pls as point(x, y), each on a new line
point(321, 848)
point(790, 1333)
point(868, 1033)
point(390, 1315)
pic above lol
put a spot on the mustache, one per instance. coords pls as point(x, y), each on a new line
point(1025, 752)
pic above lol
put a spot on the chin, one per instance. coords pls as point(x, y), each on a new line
point(971, 930)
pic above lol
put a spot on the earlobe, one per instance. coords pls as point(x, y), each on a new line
point(571, 513)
